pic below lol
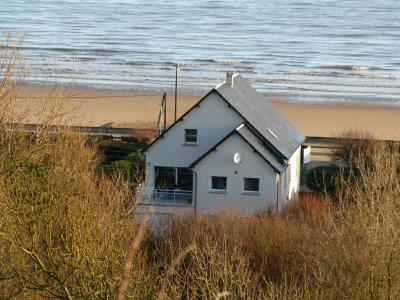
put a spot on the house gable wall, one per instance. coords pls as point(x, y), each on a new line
point(213, 120)
point(220, 163)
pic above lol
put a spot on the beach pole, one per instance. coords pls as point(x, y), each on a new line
point(165, 110)
point(176, 89)
point(159, 129)
point(162, 114)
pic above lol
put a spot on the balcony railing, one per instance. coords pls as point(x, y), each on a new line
point(168, 197)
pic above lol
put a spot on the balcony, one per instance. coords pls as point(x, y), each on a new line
point(173, 197)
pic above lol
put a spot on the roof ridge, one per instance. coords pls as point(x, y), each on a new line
point(262, 115)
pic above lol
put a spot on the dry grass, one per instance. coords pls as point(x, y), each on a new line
point(64, 231)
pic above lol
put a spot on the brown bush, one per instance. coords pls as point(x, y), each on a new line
point(64, 231)
point(315, 249)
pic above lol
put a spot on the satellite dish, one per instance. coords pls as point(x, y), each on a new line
point(236, 158)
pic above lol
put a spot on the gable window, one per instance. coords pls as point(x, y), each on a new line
point(218, 183)
point(251, 185)
point(191, 136)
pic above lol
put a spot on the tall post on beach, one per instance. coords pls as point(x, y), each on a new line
point(165, 110)
point(162, 114)
point(176, 89)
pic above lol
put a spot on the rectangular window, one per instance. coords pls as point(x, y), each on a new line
point(172, 178)
point(218, 183)
point(251, 184)
point(165, 178)
point(185, 179)
point(191, 136)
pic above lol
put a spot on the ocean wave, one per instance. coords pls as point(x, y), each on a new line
point(329, 73)
point(301, 72)
point(72, 50)
point(216, 61)
point(230, 61)
point(352, 68)
point(57, 59)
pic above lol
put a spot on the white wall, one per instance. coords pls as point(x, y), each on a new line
point(290, 180)
point(294, 185)
point(213, 121)
point(220, 163)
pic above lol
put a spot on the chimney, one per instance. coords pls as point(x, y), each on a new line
point(229, 78)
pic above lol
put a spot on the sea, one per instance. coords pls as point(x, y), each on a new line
point(308, 51)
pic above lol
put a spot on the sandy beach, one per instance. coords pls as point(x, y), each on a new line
point(125, 108)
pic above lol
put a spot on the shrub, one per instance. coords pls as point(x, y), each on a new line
point(327, 179)
point(123, 166)
point(138, 161)
point(323, 179)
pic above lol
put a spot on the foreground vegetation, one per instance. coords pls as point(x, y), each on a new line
point(66, 231)
point(69, 231)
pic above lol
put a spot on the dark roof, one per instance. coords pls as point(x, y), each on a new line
point(261, 115)
point(245, 132)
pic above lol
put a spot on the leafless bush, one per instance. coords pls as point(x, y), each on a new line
point(354, 145)
point(347, 248)
point(64, 230)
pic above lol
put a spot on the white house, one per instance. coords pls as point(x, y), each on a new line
point(231, 150)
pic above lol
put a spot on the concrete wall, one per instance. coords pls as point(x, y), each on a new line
point(213, 121)
point(220, 163)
